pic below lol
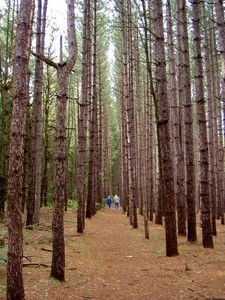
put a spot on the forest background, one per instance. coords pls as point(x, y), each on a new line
point(147, 124)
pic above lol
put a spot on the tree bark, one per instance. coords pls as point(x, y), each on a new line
point(177, 130)
point(185, 100)
point(15, 288)
point(63, 74)
point(221, 32)
point(34, 200)
point(82, 122)
point(92, 180)
point(212, 123)
point(164, 134)
point(203, 138)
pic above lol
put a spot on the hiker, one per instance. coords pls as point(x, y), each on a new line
point(116, 200)
point(108, 202)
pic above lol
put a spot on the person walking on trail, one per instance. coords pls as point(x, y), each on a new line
point(116, 202)
point(108, 202)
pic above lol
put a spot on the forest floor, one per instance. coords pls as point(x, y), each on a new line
point(111, 260)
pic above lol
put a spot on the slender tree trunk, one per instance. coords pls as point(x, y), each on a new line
point(125, 101)
point(221, 32)
point(131, 117)
point(164, 135)
point(100, 183)
point(34, 202)
point(6, 62)
point(46, 141)
point(158, 165)
point(37, 116)
point(63, 74)
point(177, 129)
point(92, 180)
point(143, 176)
point(15, 288)
point(212, 125)
point(185, 100)
point(82, 122)
point(203, 139)
point(149, 153)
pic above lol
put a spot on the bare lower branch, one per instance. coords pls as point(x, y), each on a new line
point(36, 265)
point(45, 59)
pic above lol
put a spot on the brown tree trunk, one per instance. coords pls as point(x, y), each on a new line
point(164, 135)
point(212, 124)
point(82, 122)
point(185, 100)
point(63, 73)
point(157, 164)
point(177, 130)
point(34, 201)
point(123, 129)
point(100, 184)
point(129, 106)
point(203, 139)
point(131, 118)
point(6, 62)
point(37, 117)
point(92, 176)
point(221, 32)
point(128, 192)
point(46, 141)
point(15, 288)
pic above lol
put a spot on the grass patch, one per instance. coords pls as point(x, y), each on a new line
point(56, 280)
point(2, 289)
point(158, 251)
point(3, 255)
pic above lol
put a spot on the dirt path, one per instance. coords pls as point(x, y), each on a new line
point(114, 261)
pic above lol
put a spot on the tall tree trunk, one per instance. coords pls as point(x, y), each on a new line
point(131, 118)
point(44, 185)
point(15, 288)
point(128, 91)
point(37, 116)
point(164, 134)
point(203, 139)
point(185, 100)
point(6, 61)
point(221, 32)
point(212, 125)
point(92, 180)
point(123, 142)
point(34, 201)
point(142, 173)
point(123, 128)
point(177, 130)
point(63, 74)
point(149, 152)
point(100, 168)
point(159, 204)
point(82, 122)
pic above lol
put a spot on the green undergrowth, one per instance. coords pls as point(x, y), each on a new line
point(158, 251)
point(3, 249)
point(2, 289)
point(56, 280)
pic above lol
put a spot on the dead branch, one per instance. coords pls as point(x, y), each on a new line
point(27, 258)
point(38, 224)
point(45, 249)
point(45, 59)
point(71, 268)
point(36, 265)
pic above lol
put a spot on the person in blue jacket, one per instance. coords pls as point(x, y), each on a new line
point(108, 202)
